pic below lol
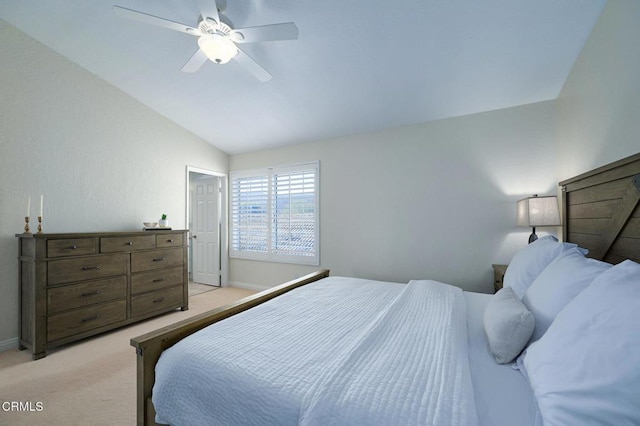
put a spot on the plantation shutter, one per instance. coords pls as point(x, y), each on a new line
point(250, 215)
point(275, 214)
point(294, 230)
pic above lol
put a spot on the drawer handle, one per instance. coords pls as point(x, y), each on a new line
point(159, 259)
point(91, 293)
point(158, 300)
point(89, 268)
point(129, 243)
point(73, 247)
point(157, 280)
point(87, 319)
point(169, 241)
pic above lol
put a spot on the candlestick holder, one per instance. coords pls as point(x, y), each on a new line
point(39, 224)
point(26, 225)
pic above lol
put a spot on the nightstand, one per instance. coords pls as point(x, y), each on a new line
point(498, 276)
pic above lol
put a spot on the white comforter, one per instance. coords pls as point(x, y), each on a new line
point(339, 351)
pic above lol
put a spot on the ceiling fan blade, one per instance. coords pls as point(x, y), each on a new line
point(195, 62)
point(209, 9)
point(154, 20)
point(252, 66)
point(284, 31)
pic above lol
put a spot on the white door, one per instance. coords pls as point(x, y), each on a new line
point(205, 230)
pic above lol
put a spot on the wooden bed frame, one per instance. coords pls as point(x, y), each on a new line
point(601, 212)
point(149, 346)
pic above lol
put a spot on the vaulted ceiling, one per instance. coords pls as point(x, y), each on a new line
point(357, 65)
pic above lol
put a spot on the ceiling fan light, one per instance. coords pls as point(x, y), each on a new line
point(217, 48)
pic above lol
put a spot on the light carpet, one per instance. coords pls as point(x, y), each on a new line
point(91, 382)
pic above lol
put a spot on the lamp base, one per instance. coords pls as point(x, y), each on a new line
point(533, 236)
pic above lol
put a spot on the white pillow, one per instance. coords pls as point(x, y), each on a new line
point(508, 325)
point(562, 280)
point(530, 261)
point(586, 368)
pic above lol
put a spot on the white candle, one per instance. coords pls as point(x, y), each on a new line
point(41, 202)
point(28, 206)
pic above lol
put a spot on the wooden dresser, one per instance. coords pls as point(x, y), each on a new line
point(76, 285)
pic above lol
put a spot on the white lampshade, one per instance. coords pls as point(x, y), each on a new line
point(217, 48)
point(538, 211)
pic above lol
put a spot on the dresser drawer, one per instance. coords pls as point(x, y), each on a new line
point(156, 259)
point(85, 319)
point(169, 240)
point(127, 244)
point(87, 293)
point(153, 280)
point(86, 268)
point(156, 300)
point(72, 247)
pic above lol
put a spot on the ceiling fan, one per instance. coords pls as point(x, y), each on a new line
point(217, 40)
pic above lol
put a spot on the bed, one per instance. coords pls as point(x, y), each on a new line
point(357, 351)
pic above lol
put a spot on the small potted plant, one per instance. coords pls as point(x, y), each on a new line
point(164, 222)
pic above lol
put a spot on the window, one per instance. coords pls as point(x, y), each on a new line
point(274, 214)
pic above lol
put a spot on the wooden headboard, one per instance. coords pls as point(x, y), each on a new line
point(601, 210)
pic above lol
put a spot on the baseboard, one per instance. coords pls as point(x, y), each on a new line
point(248, 286)
point(9, 344)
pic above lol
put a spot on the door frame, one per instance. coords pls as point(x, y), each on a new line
point(224, 228)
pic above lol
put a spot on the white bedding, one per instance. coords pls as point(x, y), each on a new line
point(346, 332)
point(410, 368)
point(262, 371)
point(502, 394)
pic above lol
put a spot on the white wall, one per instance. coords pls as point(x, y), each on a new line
point(102, 160)
point(435, 200)
point(599, 106)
